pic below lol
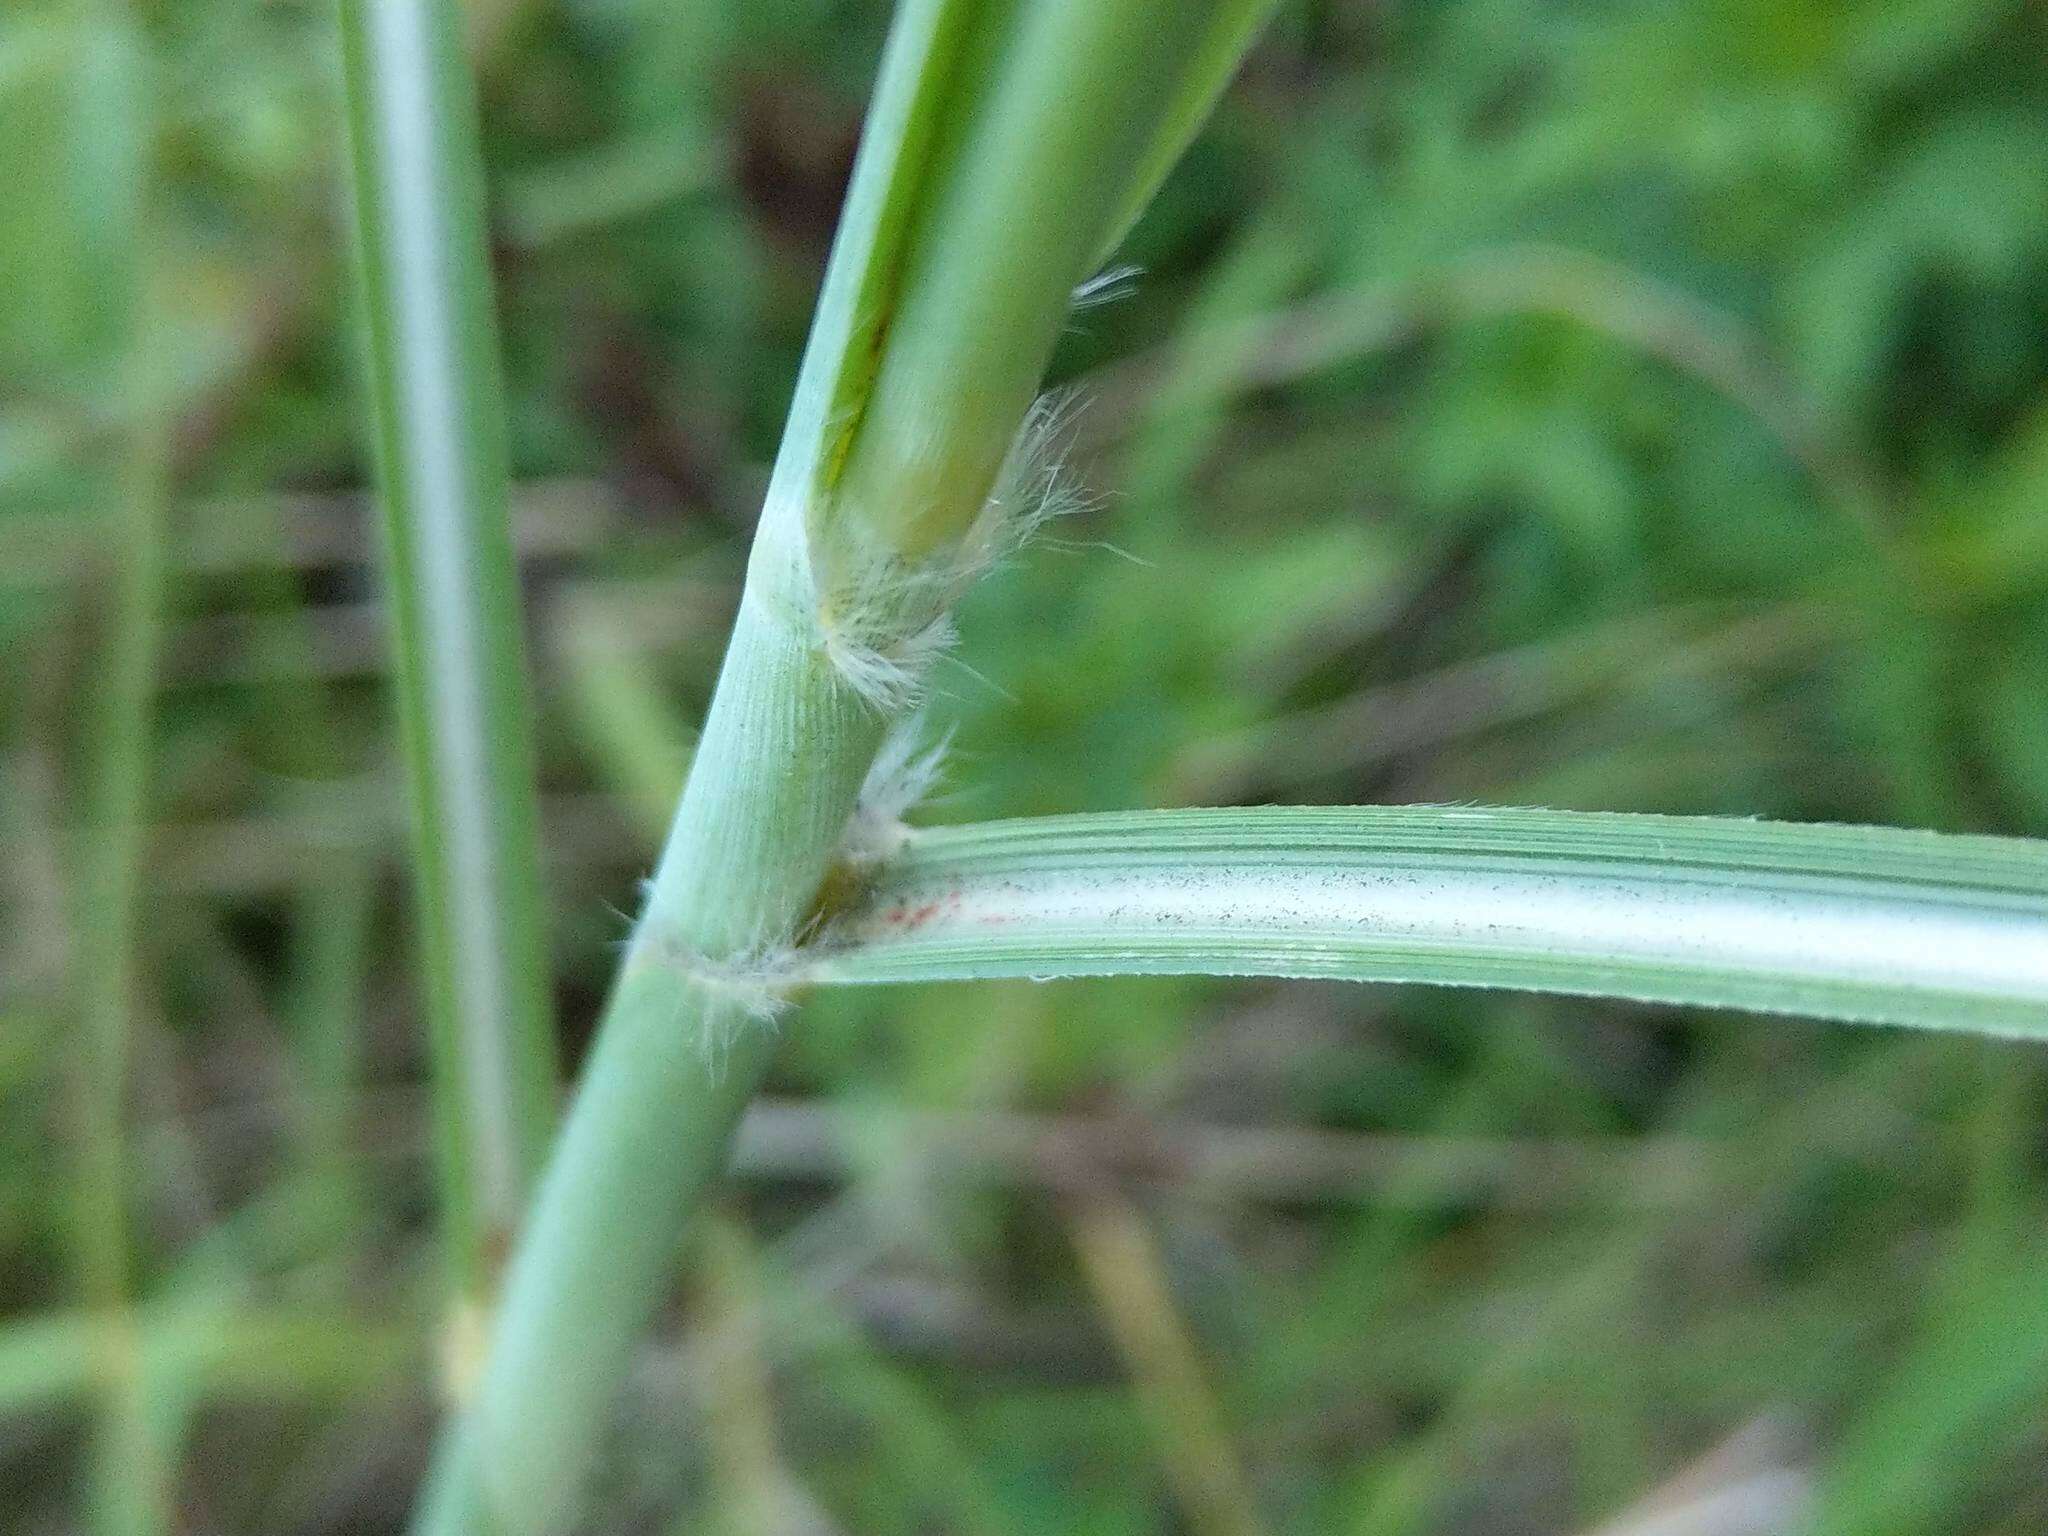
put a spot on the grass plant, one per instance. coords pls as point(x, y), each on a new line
point(1631, 407)
point(914, 459)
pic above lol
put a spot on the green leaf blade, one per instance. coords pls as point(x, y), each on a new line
point(1864, 924)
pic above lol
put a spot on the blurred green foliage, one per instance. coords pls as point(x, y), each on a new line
point(1620, 403)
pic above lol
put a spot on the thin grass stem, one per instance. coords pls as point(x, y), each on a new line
point(433, 366)
point(1124, 1268)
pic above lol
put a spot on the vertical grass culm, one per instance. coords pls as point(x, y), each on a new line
point(938, 315)
point(434, 377)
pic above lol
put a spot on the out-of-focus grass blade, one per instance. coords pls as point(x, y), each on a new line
point(1227, 34)
point(331, 943)
point(1958, 1405)
point(222, 1349)
point(1856, 923)
point(441, 440)
point(629, 727)
point(107, 178)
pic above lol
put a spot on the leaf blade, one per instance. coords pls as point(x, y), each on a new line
point(1863, 924)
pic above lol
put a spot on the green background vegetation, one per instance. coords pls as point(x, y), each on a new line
point(1624, 406)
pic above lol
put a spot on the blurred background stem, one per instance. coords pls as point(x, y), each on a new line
point(1127, 1273)
point(130, 1465)
point(433, 363)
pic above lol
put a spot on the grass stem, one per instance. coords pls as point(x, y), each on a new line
point(433, 364)
point(988, 118)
